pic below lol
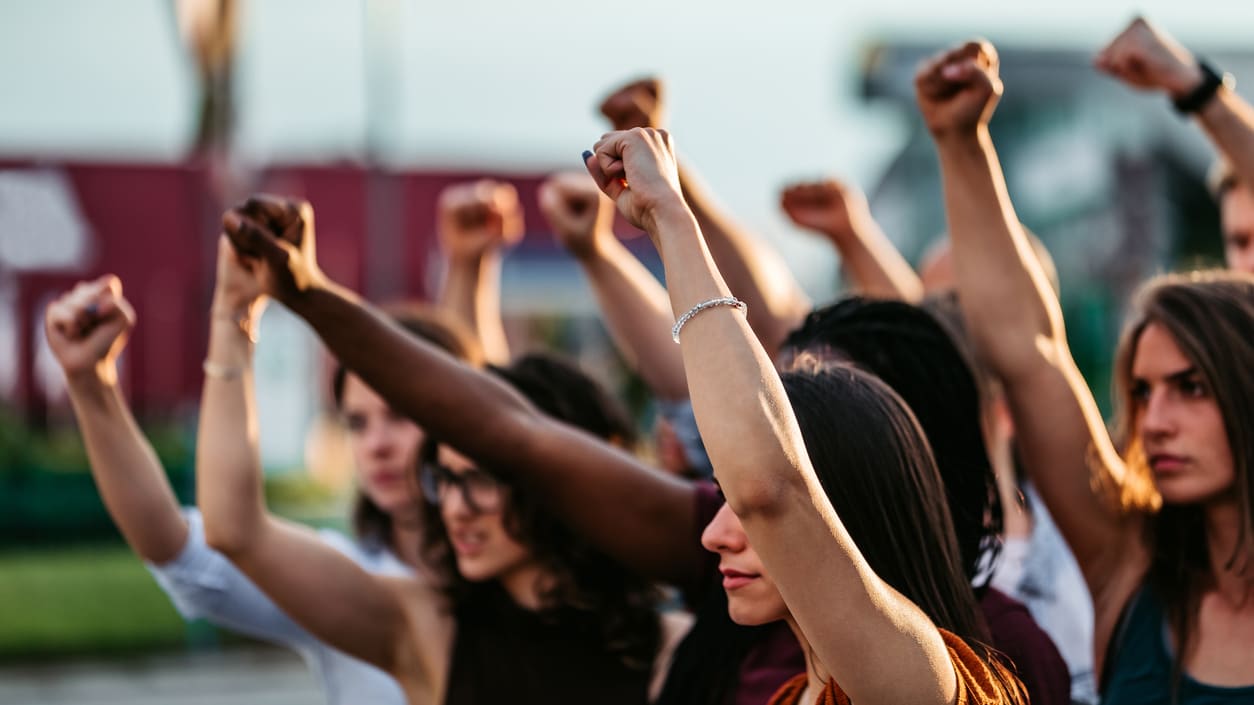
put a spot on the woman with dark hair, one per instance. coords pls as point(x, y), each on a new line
point(536, 615)
point(1161, 522)
point(87, 330)
point(910, 635)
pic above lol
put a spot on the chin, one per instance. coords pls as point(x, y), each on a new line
point(748, 614)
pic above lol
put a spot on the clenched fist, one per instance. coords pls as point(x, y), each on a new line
point(637, 170)
point(479, 217)
point(637, 104)
point(1145, 57)
point(957, 90)
point(829, 207)
point(580, 215)
point(87, 328)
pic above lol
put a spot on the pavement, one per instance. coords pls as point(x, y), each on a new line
point(237, 676)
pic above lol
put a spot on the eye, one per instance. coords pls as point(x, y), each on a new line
point(1194, 388)
point(356, 423)
point(1140, 392)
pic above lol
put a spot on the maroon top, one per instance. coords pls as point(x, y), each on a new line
point(1032, 654)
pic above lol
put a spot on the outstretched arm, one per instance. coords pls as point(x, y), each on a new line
point(322, 589)
point(634, 513)
point(1016, 321)
point(840, 213)
point(752, 268)
point(760, 459)
point(477, 221)
point(87, 330)
point(636, 310)
point(1144, 56)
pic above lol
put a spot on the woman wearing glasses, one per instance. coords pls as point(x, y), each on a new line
point(518, 607)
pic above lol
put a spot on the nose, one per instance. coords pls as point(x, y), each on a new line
point(724, 534)
point(378, 440)
point(1158, 416)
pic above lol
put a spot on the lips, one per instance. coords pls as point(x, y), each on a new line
point(467, 542)
point(734, 579)
point(1166, 463)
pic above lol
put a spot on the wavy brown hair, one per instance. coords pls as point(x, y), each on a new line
point(1210, 316)
point(585, 580)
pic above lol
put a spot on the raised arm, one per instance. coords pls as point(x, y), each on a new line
point(87, 330)
point(1016, 321)
point(760, 459)
point(634, 513)
point(753, 268)
point(636, 309)
point(840, 213)
point(322, 589)
point(477, 221)
point(1145, 57)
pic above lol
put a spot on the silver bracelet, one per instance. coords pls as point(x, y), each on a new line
point(214, 370)
point(720, 301)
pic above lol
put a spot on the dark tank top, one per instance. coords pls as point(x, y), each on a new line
point(503, 653)
point(1140, 662)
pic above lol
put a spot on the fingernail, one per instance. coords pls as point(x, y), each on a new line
point(91, 310)
point(587, 154)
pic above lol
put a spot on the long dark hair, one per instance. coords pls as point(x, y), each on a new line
point(874, 463)
point(1210, 315)
point(586, 580)
point(372, 525)
point(907, 348)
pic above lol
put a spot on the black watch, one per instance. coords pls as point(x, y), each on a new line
point(1197, 98)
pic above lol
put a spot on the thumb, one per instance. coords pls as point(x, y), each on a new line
point(612, 186)
point(251, 240)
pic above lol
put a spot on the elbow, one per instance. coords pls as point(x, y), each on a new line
point(231, 539)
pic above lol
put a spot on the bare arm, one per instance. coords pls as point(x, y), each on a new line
point(636, 514)
point(875, 643)
point(87, 329)
point(752, 268)
point(636, 309)
point(840, 213)
point(322, 589)
point(1146, 57)
point(1016, 321)
point(476, 222)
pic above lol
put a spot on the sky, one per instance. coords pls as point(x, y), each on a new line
point(762, 93)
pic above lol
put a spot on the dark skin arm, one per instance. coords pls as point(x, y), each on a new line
point(636, 514)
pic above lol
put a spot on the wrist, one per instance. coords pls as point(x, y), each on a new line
point(1183, 79)
point(964, 141)
point(99, 377)
point(672, 211)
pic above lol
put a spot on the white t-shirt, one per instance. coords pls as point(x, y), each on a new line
point(204, 584)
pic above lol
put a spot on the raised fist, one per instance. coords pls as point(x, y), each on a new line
point(87, 327)
point(578, 212)
point(476, 218)
point(829, 206)
point(637, 170)
point(637, 104)
point(1145, 57)
point(957, 90)
point(277, 236)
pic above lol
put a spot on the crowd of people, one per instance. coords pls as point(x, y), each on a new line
point(836, 509)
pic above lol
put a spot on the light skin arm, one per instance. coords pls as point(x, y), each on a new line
point(636, 514)
point(87, 330)
point(875, 643)
point(1145, 57)
point(1016, 321)
point(753, 269)
point(840, 213)
point(323, 590)
point(636, 309)
point(477, 221)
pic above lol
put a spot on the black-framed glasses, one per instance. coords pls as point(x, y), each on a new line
point(480, 490)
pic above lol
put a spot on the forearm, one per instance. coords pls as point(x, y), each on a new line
point(638, 316)
point(128, 474)
point(472, 292)
point(753, 270)
point(228, 460)
point(876, 266)
point(1229, 121)
point(761, 463)
point(1004, 294)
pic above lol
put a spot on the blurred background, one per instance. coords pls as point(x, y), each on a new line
point(127, 126)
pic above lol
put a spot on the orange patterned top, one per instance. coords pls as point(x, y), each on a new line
point(976, 684)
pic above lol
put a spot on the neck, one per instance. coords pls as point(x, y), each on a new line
point(525, 585)
point(406, 539)
point(816, 675)
point(1233, 579)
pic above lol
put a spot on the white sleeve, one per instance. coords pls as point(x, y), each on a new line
point(203, 584)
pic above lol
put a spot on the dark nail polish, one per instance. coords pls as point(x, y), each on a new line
point(91, 311)
point(587, 154)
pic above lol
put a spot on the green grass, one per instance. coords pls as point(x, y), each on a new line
point(82, 600)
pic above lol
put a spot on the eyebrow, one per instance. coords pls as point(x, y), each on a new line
point(1178, 376)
